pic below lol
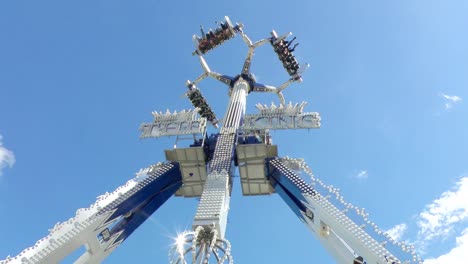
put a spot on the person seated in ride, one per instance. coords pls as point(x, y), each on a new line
point(203, 45)
point(208, 35)
point(197, 97)
point(293, 48)
point(218, 37)
point(218, 31)
point(280, 45)
point(294, 68)
point(191, 96)
point(224, 25)
point(210, 115)
point(288, 43)
point(290, 58)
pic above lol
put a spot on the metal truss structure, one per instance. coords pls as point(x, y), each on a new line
point(206, 168)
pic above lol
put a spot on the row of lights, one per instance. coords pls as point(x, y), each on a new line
point(406, 248)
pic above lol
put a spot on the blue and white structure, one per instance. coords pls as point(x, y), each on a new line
point(205, 169)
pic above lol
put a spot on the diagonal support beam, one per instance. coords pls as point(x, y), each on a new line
point(109, 221)
point(343, 239)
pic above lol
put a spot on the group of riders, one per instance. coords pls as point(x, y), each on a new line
point(284, 51)
point(212, 39)
point(199, 101)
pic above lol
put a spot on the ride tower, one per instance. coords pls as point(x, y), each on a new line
point(205, 169)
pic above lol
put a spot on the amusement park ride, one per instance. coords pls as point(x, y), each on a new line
point(205, 169)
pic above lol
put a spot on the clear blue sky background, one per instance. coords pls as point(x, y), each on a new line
point(78, 77)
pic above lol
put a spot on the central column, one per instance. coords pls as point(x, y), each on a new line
point(214, 203)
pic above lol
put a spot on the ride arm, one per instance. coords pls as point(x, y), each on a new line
point(227, 80)
point(109, 221)
point(252, 47)
point(346, 241)
point(259, 87)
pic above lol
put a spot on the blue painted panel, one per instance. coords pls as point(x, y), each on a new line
point(296, 206)
point(288, 185)
point(130, 224)
point(159, 181)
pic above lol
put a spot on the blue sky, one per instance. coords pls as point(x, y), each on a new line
point(389, 79)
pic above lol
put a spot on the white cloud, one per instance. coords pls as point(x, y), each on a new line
point(7, 158)
point(450, 100)
point(439, 218)
point(439, 223)
point(362, 175)
point(457, 255)
point(397, 231)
